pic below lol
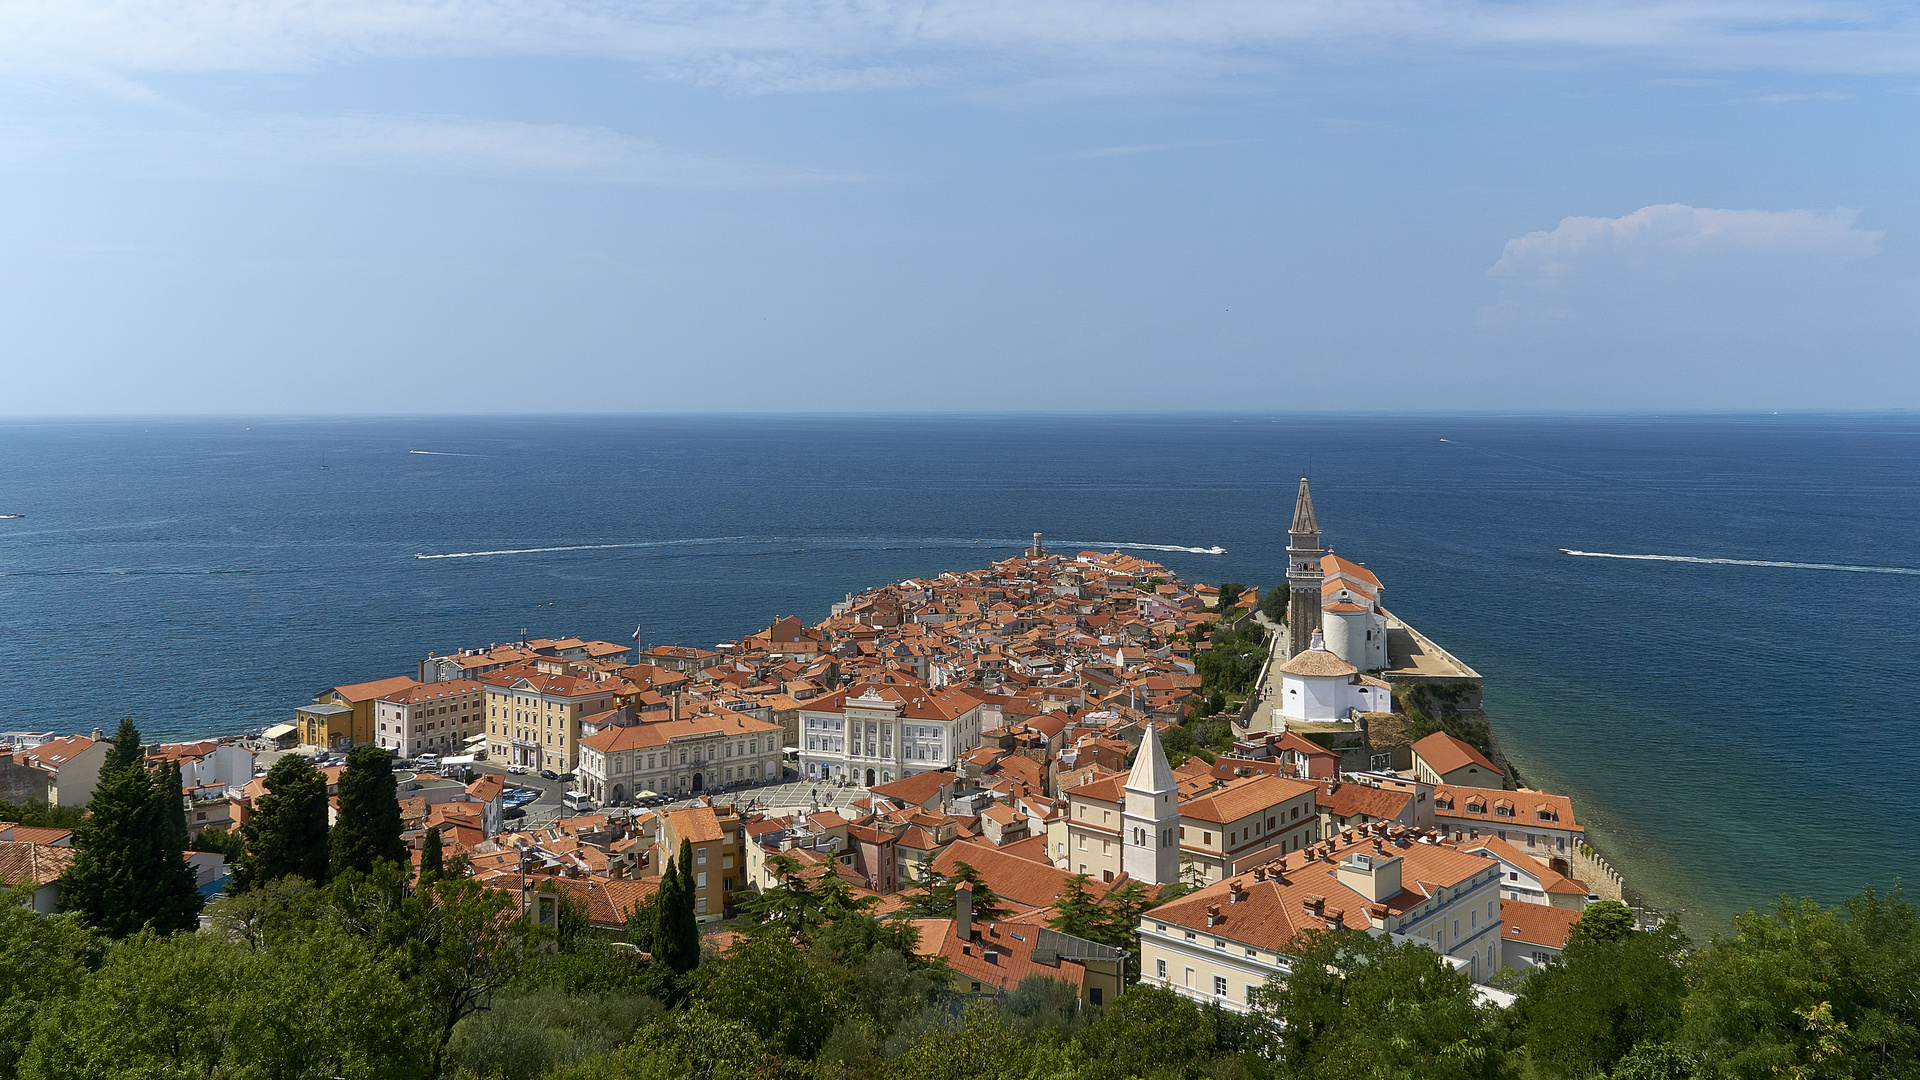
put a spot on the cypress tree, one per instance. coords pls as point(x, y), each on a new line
point(368, 829)
point(173, 810)
point(126, 747)
point(431, 858)
point(677, 941)
point(287, 833)
point(128, 872)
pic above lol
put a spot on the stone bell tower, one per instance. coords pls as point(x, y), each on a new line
point(1304, 575)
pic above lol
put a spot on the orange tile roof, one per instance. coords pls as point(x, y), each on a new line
point(1445, 754)
point(1243, 797)
point(26, 863)
point(1021, 881)
point(1536, 924)
point(698, 824)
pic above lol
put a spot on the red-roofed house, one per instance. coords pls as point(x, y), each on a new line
point(1442, 759)
point(1534, 934)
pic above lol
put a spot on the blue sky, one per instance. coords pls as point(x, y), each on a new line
point(471, 206)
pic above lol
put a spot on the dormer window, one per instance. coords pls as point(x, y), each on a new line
point(1476, 808)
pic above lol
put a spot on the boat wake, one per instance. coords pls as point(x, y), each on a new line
point(573, 547)
point(1749, 562)
point(1105, 546)
point(440, 453)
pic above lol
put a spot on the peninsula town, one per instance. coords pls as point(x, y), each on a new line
point(1067, 778)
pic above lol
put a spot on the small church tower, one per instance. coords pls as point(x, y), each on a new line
point(1150, 820)
point(1304, 575)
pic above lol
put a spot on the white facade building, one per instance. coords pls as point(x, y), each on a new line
point(873, 734)
point(1316, 685)
point(436, 717)
point(704, 752)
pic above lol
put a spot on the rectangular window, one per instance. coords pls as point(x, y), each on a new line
point(700, 880)
point(1160, 968)
point(700, 856)
point(1220, 985)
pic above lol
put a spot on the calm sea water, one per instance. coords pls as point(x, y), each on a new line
point(1732, 732)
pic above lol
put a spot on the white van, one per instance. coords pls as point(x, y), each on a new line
point(576, 803)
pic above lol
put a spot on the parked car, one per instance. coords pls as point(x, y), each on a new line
point(517, 770)
point(568, 777)
point(512, 812)
point(549, 774)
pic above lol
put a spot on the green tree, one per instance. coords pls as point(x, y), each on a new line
point(1603, 920)
point(937, 896)
point(980, 1047)
point(1146, 1031)
point(126, 874)
point(173, 818)
point(193, 1005)
point(676, 936)
point(791, 999)
point(41, 958)
point(287, 833)
point(1356, 1006)
point(529, 1031)
point(462, 945)
point(1274, 602)
point(220, 842)
point(1806, 991)
point(1112, 920)
point(788, 909)
point(43, 815)
point(1230, 592)
point(125, 749)
point(1580, 1016)
point(432, 859)
point(368, 828)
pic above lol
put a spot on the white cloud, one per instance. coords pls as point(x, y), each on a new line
point(831, 45)
point(1662, 234)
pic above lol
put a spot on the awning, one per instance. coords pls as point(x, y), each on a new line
point(278, 731)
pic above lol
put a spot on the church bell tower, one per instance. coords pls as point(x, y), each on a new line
point(1304, 575)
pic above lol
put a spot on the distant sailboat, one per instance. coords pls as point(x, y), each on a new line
point(323, 459)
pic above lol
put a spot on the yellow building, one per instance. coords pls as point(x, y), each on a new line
point(341, 717)
point(533, 717)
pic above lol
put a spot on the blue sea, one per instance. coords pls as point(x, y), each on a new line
point(1730, 732)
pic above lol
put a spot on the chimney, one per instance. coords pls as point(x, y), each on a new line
point(963, 913)
point(1213, 914)
point(1259, 873)
point(1236, 892)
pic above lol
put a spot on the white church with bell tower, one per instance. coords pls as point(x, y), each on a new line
point(1150, 817)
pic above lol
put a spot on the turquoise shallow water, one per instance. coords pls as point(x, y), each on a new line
point(1734, 732)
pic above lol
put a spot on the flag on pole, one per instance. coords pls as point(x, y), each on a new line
point(636, 634)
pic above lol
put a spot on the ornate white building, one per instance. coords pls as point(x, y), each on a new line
point(874, 734)
point(1316, 685)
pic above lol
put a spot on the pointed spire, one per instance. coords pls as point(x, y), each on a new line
point(1303, 511)
point(1151, 772)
